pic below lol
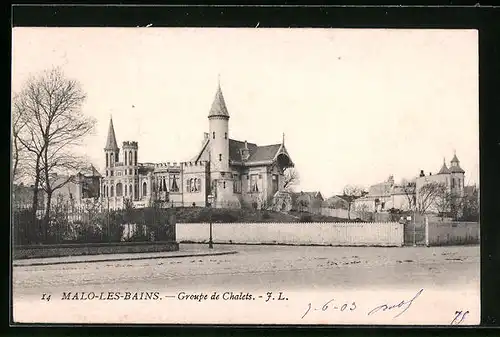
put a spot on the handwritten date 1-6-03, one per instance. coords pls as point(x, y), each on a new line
point(331, 305)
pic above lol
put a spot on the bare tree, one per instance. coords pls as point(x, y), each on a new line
point(19, 169)
point(427, 196)
point(409, 188)
point(351, 193)
point(422, 198)
point(291, 178)
point(364, 212)
point(443, 203)
point(51, 105)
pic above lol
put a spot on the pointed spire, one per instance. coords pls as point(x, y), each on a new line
point(444, 168)
point(283, 140)
point(111, 143)
point(455, 158)
point(219, 105)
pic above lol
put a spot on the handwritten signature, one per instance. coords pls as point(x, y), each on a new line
point(403, 304)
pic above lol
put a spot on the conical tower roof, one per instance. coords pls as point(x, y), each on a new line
point(455, 165)
point(111, 143)
point(219, 108)
point(444, 168)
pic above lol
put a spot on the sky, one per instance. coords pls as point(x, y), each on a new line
point(355, 105)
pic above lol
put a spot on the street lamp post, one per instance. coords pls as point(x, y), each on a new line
point(210, 201)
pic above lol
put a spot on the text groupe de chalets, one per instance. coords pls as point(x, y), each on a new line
point(226, 296)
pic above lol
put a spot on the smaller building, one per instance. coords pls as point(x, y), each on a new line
point(336, 202)
point(307, 202)
point(388, 195)
point(22, 197)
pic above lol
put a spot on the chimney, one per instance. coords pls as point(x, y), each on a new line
point(244, 152)
point(422, 174)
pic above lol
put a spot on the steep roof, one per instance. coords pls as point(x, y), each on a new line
point(257, 154)
point(219, 105)
point(90, 171)
point(456, 169)
point(455, 165)
point(335, 200)
point(444, 169)
point(381, 189)
point(235, 147)
point(111, 143)
point(312, 195)
point(264, 153)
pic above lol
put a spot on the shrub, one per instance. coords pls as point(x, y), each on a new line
point(86, 233)
point(112, 229)
point(26, 231)
point(266, 215)
point(305, 217)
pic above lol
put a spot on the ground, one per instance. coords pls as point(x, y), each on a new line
point(262, 268)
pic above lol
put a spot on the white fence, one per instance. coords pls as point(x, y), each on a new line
point(335, 234)
point(452, 233)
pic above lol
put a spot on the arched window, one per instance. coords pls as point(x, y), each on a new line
point(225, 135)
point(125, 190)
point(130, 190)
point(116, 157)
point(125, 158)
point(213, 135)
point(135, 158)
point(220, 157)
point(144, 189)
point(119, 189)
point(107, 161)
point(130, 157)
point(112, 191)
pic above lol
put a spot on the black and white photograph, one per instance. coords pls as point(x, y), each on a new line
point(310, 176)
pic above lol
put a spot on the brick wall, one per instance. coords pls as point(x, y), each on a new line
point(40, 251)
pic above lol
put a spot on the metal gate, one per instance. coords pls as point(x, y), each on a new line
point(414, 234)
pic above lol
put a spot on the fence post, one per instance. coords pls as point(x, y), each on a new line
point(427, 231)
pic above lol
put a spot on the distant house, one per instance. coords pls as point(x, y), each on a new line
point(74, 190)
point(78, 188)
point(388, 195)
point(336, 202)
point(22, 196)
point(307, 202)
point(383, 196)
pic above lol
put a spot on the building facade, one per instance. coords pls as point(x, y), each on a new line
point(234, 172)
point(389, 195)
